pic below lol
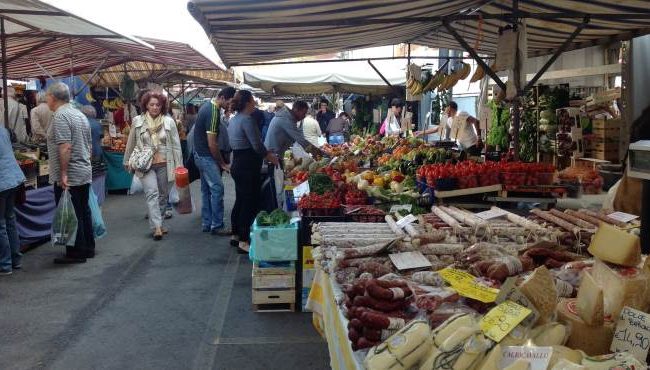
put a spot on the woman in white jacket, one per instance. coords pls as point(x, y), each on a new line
point(154, 129)
point(311, 129)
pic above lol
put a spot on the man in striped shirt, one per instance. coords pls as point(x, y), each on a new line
point(69, 143)
point(210, 143)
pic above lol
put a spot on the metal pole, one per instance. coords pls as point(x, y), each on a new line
point(5, 97)
point(516, 102)
point(645, 217)
point(408, 55)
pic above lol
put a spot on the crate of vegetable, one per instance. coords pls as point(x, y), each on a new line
point(316, 205)
point(364, 214)
point(274, 238)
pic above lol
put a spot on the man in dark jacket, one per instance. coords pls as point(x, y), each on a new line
point(324, 115)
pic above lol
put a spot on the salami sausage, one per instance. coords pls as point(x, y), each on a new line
point(381, 321)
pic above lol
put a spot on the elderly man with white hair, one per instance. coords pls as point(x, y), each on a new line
point(17, 116)
point(41, 118)
point(69, 145)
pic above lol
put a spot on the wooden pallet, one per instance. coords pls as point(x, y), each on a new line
point(275, 307)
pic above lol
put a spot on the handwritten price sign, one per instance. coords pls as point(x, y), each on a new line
point(500, 321)
point(632, 333)
point(465, 284)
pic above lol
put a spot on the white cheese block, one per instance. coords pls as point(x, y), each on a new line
point(539, 288)
point(551, 334)
point(614, 245)
point(590, 301)
point(493, 359)
point(622, 286)
point(402, 350)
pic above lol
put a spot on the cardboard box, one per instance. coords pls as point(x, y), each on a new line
point(307, 258)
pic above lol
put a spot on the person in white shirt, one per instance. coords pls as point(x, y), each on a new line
point(41, 118)
point(311, 129)
point(17, 116)
point(463, 128)
point(393, 126)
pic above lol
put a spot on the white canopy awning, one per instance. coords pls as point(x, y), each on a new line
point(317, 78)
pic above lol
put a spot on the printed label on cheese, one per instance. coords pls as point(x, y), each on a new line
point(465, 284)
point(538, 357)
point(502, 319)
point(632, 333)
point(509, 291)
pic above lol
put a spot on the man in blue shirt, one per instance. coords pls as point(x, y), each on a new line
point(96, 130)
point(12, 177)
point(210, 138)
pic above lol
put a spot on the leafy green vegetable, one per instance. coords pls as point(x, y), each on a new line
point(320, 183)
point(279, 217)
point(276, 218)
point(500, 120)
point(263, 218)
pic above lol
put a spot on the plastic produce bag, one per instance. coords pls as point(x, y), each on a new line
point(99, 228)
point(278, 178)
point(136, 186)
point(64, 225)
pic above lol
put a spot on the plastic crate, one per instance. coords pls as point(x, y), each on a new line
point(274, 243)
point(447, 184)
point(488, 178)
point(466, 182)
point(513, 178)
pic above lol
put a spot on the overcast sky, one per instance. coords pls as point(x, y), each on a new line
point(162, 19)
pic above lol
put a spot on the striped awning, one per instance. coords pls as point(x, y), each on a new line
point(169, 61)
point(258, 31)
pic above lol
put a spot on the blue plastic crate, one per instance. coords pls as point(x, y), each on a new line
point(274, 243)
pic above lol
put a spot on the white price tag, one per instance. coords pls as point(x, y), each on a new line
point(301, 190)
point(492, 213)
point(406, 220)
point(538, 357)
point(409, 260)
point(356, 152)
point(401, 207)
point(632, 333)
point(622, 216)
point(334, 160)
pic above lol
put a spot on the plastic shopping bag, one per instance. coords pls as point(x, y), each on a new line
point(64, 225)
point(136, 186)
point(99, 228)
point(173, 195)
point(278, 179)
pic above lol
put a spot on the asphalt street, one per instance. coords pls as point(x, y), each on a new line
point(182, 303)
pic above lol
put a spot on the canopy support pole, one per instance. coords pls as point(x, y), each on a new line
point(379, 73)
point(43, 69)
point(557, 54)
point(72, 83)
point(5, 96)
point(516, 102)
point(474, 55)
point(91, 77)
point(30, 50)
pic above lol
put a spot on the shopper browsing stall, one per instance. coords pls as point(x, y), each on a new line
point(283, 131)
point(41, 118)
point(248, 152)
point(210, 137)
point(392, 124)
point(338, 128)
point(11, 179)
point(465, 130)
point(311, 129)
point(69, 147)
point(17, 124)
point(95, 129)
point(324, 114)
point(155, 146)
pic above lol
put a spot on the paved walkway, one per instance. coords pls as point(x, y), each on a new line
point(183, 303)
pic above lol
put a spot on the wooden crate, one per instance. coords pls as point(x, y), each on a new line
point(274, 300)
point(284, 281)
point(606, 128)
